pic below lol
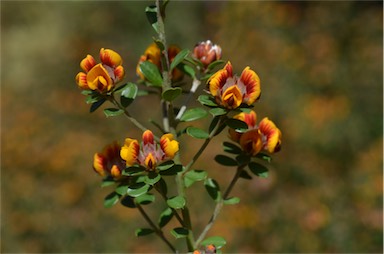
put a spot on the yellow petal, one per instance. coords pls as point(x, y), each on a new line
point(252, 83)
point(148, 137)
point(99, 164)
point(150, 161)
point(130, 151)
point(81, 80)
point(251, 142)
point(273, 135)
point(249, 118)
point(110, 58)
point(119, 73)
point(232, 97)
point(87, 63)
point(115, 171)
point(169, 146)
point(99, 79)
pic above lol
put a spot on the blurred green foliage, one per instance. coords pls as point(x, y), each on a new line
point(321, 70)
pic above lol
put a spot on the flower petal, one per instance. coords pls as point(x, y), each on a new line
point(99, 79)
point(99, 164)
point(251, 142)
point(87, 63)
point(169, 146)
point(150, 161)
point(130, 151)
point(110, 58)
point(218, 80)
point(81, 80)
point(148, 137)
point(115, 171)
point(272, 135)
point(119, 73)
point(252, 83)
point(232, 97)
point(249, 118)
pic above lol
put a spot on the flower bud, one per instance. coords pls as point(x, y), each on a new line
point(207, 52)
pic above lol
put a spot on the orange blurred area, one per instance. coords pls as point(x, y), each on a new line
point(321, 71)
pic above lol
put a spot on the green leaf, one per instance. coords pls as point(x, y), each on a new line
point(128, 94)
point(143, 231)
point(122, 189)
point(176, 202)
point(187, 70)
point(165, 165)
point(145, 199)
point(232, 148)
point(134, 170)
point(197, 133)
point(214, 64)
point(194, 176)
point(151, 13)
point(111, 199)
point(176, 168)
point(213, 189)
point(237, 124)
point(137, 189)
point(218, 241)
point(244, 174)
point(207, 100)
point(162, 186)
point(108, 181)
point(151, 73)
point(225, 160)
point(113, 112)
point(258, 169)
point(179, 58)
point(243, 159)
point(152, 178)
point(180, 232)
point(165, 217)
point(218, 111)
point(193, 114)
point(128, 201)
point(96, 105)
point(264, 156)
point(232, 201)
point(171, 93)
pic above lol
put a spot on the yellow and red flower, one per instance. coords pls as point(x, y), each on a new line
point(103, 76)
point(109, 162)
point(263, 136)
point(207, 52)
point(231, 91)
point(153, 55)
point(149, 154)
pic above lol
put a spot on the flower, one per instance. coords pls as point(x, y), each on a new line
point(206, 52)
point(231, 91)
point(153, 55)
point(149, 154)
point(263, 136)
point(109, 162)
point(103, 76)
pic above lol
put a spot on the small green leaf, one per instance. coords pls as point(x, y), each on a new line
point(264, 156)
point(197, 133)
point(113, 112)
point(122, 189)
point(128, 94)
point(143, 231)
point(108, 181)
point(179, 58)
point(152, 178)
point(258, 169)
point(187, 70)
point(218, 111)
point(193, 114)
point(165, 217)
point(176, 202)
point(151, 73)
point(218, 241)
point(162, 186)
point(165, 165)
point(145, 199)
point(137, 189)
point(232, 148)
point(207, 100)
point(232, 201)
point(213, 189)
point(244, 174)
point(180, 232)
point(171, 93)
point(237, 124)
point(134, 170)
point(151, 13)
point(96, 105)
point(194, 176)
point(111, 199)
point(176, 168)
point(128, 201)
point(225, 160)
point(214, 64)
point(243, 159)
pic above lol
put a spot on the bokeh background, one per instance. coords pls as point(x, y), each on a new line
point(321, 70)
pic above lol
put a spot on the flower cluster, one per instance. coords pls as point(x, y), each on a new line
point(265, 135)
point(153, 55)
point(149, 154)
point(103, 76)
point(109, 162)
point(231, 91)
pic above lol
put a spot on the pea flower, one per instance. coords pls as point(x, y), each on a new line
point(206, 52)
point(153, 55)
point(103, 76)
point(149, 154)
point(263, 136)
point(231, 91)
point(109, 162)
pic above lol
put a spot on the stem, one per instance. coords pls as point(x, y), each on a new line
point(195, 84)
point(158, 231)
point(219, 206)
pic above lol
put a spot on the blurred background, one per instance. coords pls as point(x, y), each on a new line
point(321, 70)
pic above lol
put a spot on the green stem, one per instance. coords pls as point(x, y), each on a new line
point(219, 206)
point(157, 230)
